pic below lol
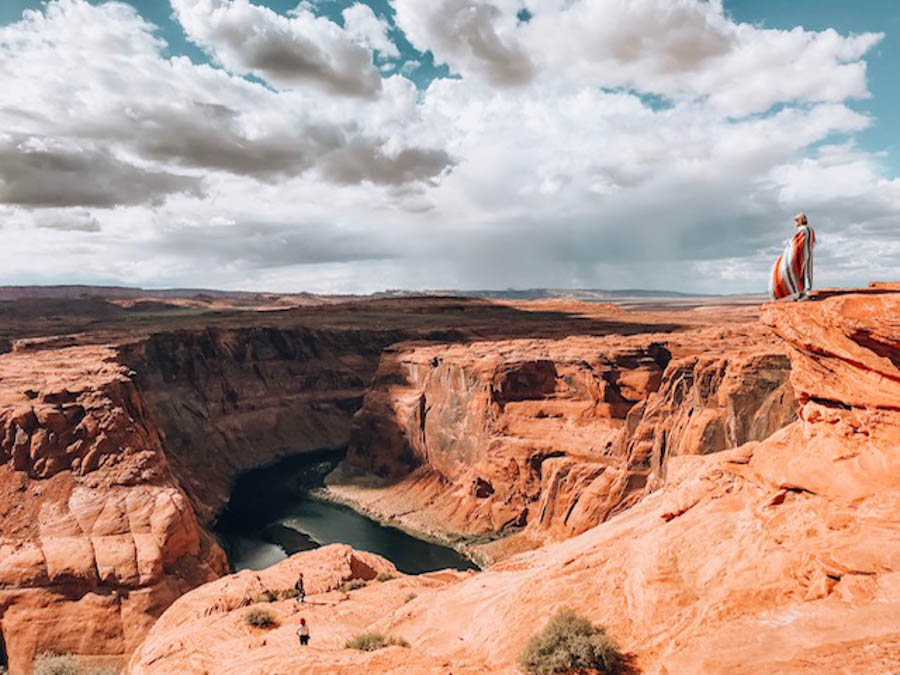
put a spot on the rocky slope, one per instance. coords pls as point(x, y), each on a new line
point(778, 556)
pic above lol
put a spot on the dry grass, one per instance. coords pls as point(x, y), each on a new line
point(369, 642)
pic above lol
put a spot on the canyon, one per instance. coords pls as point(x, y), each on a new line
point(718, 485)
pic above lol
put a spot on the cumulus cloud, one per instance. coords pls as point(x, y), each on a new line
point(287, 51)
point(681, 49)
point(90, 78)
point(363, 26)
point(364, 161)
point(37, 171)
point(474, 38)
point(544, 162)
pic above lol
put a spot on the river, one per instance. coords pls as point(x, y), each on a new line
point(271, 515)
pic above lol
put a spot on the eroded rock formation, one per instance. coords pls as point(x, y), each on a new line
point(553, 436)
point(778, 556)
point(232, 399)
point(97, 538)
point(122, 428)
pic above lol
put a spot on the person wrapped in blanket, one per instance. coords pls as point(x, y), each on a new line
point(792, 276)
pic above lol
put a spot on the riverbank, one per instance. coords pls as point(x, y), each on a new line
point(382, 501)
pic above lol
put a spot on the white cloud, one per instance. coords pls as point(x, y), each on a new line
point(361, 24)
point(303, 49)
point(474, 38)
point(539, 166)
point(682, 49)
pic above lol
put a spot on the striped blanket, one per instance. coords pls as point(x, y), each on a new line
point(792, 275)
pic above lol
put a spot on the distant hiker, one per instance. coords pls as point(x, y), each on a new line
point(301, 591)
point(792, 276)
point(303, 632)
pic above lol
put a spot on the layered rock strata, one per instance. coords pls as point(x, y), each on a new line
point(96, 536)
point(231, 399)
point(552, 436)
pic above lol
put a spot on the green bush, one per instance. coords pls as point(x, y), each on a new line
point(48, 663)
point(384, 576)
point(569, 642)
point(261, 618)
point(369, 642)
point(352, 585)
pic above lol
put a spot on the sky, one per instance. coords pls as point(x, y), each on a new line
point(348, 146)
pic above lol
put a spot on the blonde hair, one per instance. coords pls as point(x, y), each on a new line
point(802, 218)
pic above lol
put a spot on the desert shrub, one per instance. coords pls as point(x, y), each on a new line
point(352, 585)
point(384, 576)
point(410, 598)
point(261, 618)
point(369, 642)
point(569, 642)
point(48, 663)
point(267, 596)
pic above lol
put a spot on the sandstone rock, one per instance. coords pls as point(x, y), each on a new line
point(566, 432)
point(494, 420)
point(75, 539)
point(184, 636)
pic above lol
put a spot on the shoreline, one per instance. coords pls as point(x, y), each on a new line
point(353, 480)
point(457, 543)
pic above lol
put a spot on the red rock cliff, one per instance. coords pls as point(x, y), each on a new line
point(231, 399)
point(553, 435)
point(96, 536)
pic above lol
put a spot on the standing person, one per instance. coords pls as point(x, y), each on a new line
point(792, 276)
point(301, 591)
point(303, 632)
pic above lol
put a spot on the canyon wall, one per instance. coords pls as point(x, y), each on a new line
point(231, 399)
point(778, 556)
point(96, 536)
point(115, 459)
point(547, 438)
